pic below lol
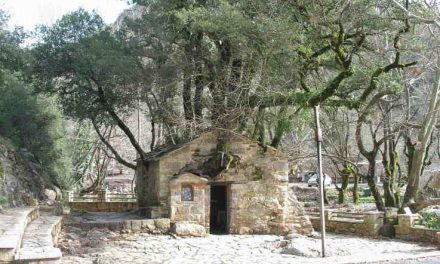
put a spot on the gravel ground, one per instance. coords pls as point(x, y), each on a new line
point(103, 246)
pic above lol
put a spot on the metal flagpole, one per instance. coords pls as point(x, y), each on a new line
point(318, 138)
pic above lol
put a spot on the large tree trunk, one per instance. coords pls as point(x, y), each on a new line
point(198, 80)
point(419, 153)
point(390, 166)
point(282, 127)
point(142, 189)
point(389, 157)
point(187, 84)
point(259, 133)
point(119, 122)
point(342, 192)
point(355, 188)
point(220, 76)
point(370, 155)
point(372, 185)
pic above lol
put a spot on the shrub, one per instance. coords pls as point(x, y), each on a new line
point(430, 220)
point(368, 199)
point(34, 123)
point(331, 193)
point(3, 200)
point(366, 192)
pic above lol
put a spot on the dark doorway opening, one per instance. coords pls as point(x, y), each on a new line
point(219, 209)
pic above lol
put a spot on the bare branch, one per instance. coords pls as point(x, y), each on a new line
point(113, 150)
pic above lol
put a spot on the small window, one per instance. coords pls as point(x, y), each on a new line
point(187, 193)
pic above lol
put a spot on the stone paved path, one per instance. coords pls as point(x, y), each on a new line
point(99, 246)
point(38, 239)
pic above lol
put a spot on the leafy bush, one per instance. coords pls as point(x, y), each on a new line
point(368, 199)
point(366, 192)
point(34, 123)
point(3, 200)
point(331, 193)
point(430, 220)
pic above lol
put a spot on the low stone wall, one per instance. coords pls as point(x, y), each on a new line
point(104, 206)
point(407, 230)
point(12, 228)
point(154, 226)
point(56, 230)
point(366, 224)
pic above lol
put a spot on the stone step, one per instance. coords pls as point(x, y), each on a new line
point(46, 255)
point(38, 245)
point(13, 223)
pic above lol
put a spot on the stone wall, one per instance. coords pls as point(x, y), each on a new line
point(153, 226)
point(104, 206)
point(366, 224)
point(260, 198)
point(407, 230)
point(195, 152)
point(193, 211)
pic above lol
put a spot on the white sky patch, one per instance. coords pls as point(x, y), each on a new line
point(30, 13)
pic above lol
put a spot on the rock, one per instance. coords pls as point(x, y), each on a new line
point(244, 230)
point(59, 194)
point(50, 195)
point(163, 224)
point(314, 234)
point(126, 231)
point(72, 236)
point(305, 248)
point(126, 225)
point(95, 243)
point(188, 229)
point(136, 225)
point(293, 236)
point(148, 224)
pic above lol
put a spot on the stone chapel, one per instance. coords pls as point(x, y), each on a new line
point(224, 182)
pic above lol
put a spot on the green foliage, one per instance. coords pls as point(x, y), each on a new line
point(231, 161)
point(365, 195)
point(86, 66)
point(26, 120)
point(293, 54)
point(72, 28)
point(34, 123)
point(430, 220)
point(257, 174)
point(82, 143)
point(366, 192)
point(3, 200)
point(331, 193)
point(224, 145)
point(11, 55)
point(366, 199)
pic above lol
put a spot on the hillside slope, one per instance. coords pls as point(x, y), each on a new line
point(22, 180)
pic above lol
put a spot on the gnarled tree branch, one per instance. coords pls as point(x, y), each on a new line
point(112, 149)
